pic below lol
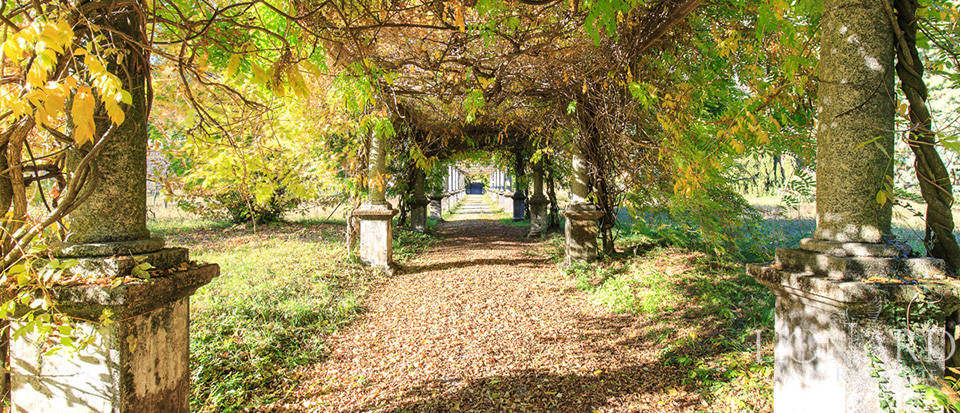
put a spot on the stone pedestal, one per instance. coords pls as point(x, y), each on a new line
point(448, 201)
point(518, 201)
point(837, 343)
point(539, 215)
point(418, 215)
point(581, 232)
point(376, 235)
point(842, 341)
point(139, 363)
point(436, 207)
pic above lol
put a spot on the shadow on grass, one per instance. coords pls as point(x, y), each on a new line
point(702, 317)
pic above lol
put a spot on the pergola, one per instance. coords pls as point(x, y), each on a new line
point(824, 341)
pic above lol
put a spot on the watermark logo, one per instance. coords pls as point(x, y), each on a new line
point(921, 343)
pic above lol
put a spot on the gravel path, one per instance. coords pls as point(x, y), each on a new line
point(485, 322)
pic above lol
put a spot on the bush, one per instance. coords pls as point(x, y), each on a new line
point(232, 207)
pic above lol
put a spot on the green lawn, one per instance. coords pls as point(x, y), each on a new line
point(281, 290)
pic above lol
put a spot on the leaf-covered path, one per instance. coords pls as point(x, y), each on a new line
point(486, 322)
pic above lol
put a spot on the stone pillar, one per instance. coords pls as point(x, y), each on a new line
point(503, 190)
point(539, 218)
point(445, 202)
point(519, 205)
point(837, 341)
point(418, 216)
point(376, 215)
point(436, 207)
point(855, 121)
point(580, 229)
point(139, 363)
point(518, 197)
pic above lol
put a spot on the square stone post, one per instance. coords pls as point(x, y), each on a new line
point(837, 341)
point(139, 363)
point(519, 194)
point(580, 229)
point(519, 205)
point(418, 216)
point(436, 207)
point(376, 215)
point(539, 218)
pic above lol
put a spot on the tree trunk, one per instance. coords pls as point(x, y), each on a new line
point(934, 179)
point(608, 220)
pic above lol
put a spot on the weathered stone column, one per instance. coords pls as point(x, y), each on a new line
point(418, 216)
point(855, 122)
point(838, 340)
point(376, 215)
point(539, 218)
point(140, 362)
point(580, 229)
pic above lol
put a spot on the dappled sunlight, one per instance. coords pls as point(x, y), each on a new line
point(485, 320)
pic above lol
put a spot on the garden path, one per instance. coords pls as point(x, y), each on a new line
point(485, 321)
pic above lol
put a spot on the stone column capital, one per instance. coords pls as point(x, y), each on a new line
point(375, 211)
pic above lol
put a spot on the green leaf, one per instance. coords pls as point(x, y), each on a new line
point(142, 271)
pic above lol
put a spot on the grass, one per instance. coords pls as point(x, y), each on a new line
point(704, 313)
point(512, 223)
point(282, 289)
point(407, 244)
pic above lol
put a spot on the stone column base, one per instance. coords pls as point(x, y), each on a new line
point(581, 232)
point(539, 216)
point(376, 235)
point(836, 334)
point(139, 363)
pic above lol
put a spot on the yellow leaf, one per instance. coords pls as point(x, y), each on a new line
point(460, 21)
point(56, 100)
point(232, 66)
point(881, 197)
point(259, 75)
point(114, 111)
point(737, 146)
point(297, 83)
point(11, 49)
point(82, 113)
point(312, 68)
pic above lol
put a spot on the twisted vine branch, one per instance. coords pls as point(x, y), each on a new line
point(935, 186)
